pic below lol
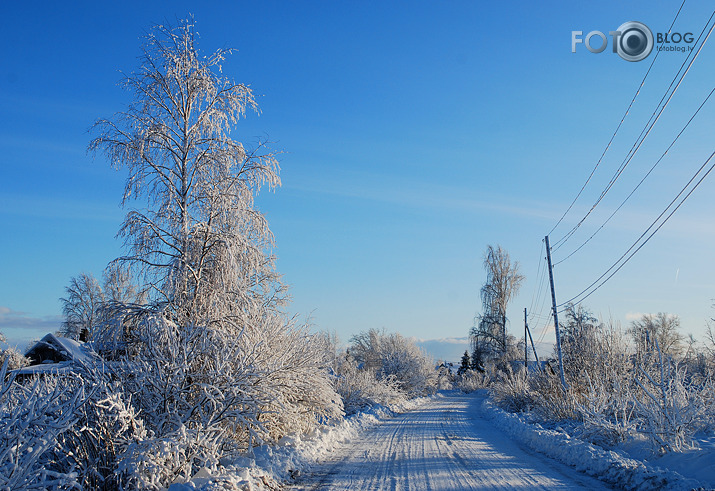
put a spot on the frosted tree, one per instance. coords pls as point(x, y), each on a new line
point(207, 353)
point(199, 245)
point(118, 286)
point(84, 297)
point(489, 336)
point(661, 327)
point(581, 333)
point(86, 303)
point(392, 356)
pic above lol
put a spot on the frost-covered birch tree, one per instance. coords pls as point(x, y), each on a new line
point(199, 244)
point(80, 307)
point(489, 336)
point(208, 352)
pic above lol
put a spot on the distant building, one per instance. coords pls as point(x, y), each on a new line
point(55, 354)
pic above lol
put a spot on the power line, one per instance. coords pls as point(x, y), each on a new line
point(538, 271)
point(640, 182)
point(616, 266)
point(644, 133)
point(545, 328)
point(541, 300)
point(613, 136)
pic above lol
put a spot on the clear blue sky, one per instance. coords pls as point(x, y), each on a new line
point(415, 133)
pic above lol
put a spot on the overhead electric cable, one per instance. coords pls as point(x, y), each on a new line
point(641, 181)
point(538, 271)
point(644, 133)
point(613, 136)
point(620, 262)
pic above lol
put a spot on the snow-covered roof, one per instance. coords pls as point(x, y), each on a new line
point(45, 368)
point(56, 354)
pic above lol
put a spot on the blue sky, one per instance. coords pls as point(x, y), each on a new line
point(414, 134)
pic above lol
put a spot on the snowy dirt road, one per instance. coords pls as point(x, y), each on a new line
point(443, 445)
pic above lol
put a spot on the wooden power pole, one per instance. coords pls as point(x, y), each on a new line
point(556, 317)
point(528, 331)
point(526, 343)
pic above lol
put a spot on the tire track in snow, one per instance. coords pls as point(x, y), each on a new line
point(443, 445)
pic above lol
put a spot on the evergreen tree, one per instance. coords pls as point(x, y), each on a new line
point(465, 363)
point(476, 363)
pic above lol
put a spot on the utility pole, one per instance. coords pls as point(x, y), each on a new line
point(556, 317)
point(528, 331)
point(526, 344)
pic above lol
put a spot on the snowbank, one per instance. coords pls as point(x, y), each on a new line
point(607, 465)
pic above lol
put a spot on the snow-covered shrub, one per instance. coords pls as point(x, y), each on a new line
point(511, 391)
point(106, 425)
point(207, 392)
point(472, 380)
point(580, 346)
point(200, 394)
point(394, 355)
point(15, 358)
point(361, 389)
point(296, 366)
point(32, 416)
point(445, 379)
point(64, 429)
point(550, 400)
point(191, 376)
point(670, 407)
point(607, 412)
point(602, 387)
point(155, 463)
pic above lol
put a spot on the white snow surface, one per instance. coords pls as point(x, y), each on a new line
point(610, 466)
point(444, 444)
point(447, 442)
point(271, 466)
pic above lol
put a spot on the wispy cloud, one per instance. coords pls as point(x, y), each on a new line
point(634, 316)
point(422, 195)
point(20, 328)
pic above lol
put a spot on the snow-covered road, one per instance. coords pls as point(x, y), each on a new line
point(444, 444)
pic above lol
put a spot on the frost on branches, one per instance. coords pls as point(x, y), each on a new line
point(212, 363)
point(199, 363)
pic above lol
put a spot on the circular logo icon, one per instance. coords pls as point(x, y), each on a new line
point(635, 42)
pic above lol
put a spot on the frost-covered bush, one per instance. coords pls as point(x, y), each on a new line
point(106, 425)
point(392, 355)
point(360, 389)
point(614, 394)
point(607, 412)
point(511, 391)
point(551, 401)
point(261, 382)
point(63, 430)
point(445, 379)
point(671, 408)
point(32, 416)
point(206, 393)
point(155, 463)
point(472, 380)
point(296, 366)
point(602, 388)
point(14, 358)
